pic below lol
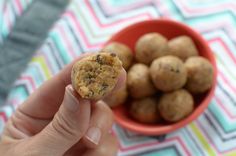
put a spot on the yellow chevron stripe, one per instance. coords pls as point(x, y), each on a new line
point(40, 60)
point(233, 153)
point(210, 151)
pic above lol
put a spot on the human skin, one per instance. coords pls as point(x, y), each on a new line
point(48, 124)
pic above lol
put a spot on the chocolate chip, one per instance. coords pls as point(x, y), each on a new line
point(172, 69)
point(113, 54)
point(99, 59)
point(104, 86)
point(91, 93)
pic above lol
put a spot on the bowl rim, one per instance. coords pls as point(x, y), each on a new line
point(158, 130)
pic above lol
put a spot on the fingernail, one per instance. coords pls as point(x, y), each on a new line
point(70, 101)
point(94, 134)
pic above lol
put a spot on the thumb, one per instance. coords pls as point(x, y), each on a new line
point(67, 127)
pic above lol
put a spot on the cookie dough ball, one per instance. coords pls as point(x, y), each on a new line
point(149, 47)
point(122, 51)
point(117, 98)
point(182, 47)
point(145, 110)
point(139, 82)
point(168, 73)
point(96, 75)
point(176, 105)
point(200, 74)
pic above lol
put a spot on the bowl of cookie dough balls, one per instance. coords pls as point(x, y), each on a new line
point(171, 76)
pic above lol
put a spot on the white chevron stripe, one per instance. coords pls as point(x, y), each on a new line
point(132, 141)
point(55, 51)
point(70, 38)
point(122, 15)
point(227, 88)
point(226, 101)
point(219, 50)
point(222, 146)
point(110, 29)
point(226, 22)
point(26, 84)
point(183, 135)
point(2, 124)
point(44, 50)
point(188, 14)
point(218, 127)
point(154, 147)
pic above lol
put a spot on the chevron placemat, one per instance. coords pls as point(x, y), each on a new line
point(87, 24)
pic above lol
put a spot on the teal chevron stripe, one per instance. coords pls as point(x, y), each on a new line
point(209, 131)
point(226, 101)
point(121, 2)
point(188, 140)
point(7, 110)
point(19, 94)
point(55, 53)
point(63, 52)
point(9, 17)
point(5, 113)
point(226, 39)
point(206, 3)
point(163, 152)
point(48, 54)
point(125, 141)
point(222, 119)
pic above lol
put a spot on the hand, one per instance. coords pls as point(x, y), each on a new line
point(47, 124)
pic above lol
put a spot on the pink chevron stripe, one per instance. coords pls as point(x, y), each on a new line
point(213, 9)
point(138, 4)
point(4, 116)
point(155, 143)
point(147, 15)
point(15, 102)
point(6, 14)
point(5, 8)
point(8, 10)
point(221, 42)
point(221, 104)
point(19, 6)
point(66, 40)
point(206, 27)
point(164, 10)
point(30, 80)
point(211, 141)
point(226, 81)
point(207, 136)
point(114, 10)
point(71, 16)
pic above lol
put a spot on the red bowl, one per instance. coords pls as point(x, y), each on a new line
point(169, 29)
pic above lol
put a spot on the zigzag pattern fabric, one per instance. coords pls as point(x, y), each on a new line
point(87, 24)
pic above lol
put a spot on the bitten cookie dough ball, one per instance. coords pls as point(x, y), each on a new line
point(168, 73)
point(139, 82)
point(145, 110)
point(182, 47)
point(96, 75)
point(149, 47)
point(176, 105)
point(200, 74)
point(122, 51)
point(117, 98)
